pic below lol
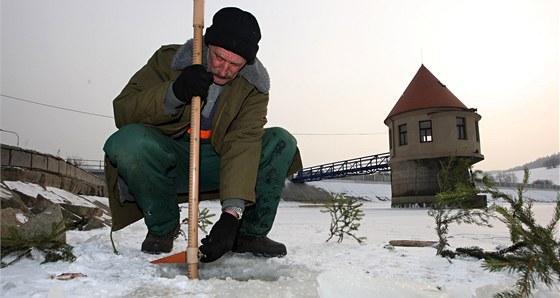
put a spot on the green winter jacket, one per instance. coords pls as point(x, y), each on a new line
point(237, 126)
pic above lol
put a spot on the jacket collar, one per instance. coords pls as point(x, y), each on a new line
point(256, 74)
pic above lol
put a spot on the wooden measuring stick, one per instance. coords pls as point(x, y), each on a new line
point(194, 158)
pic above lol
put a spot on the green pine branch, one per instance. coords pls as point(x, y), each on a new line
point(535, 253)
point(46, 242)
point(455, 200)
point(345, 215)
point(204, 221)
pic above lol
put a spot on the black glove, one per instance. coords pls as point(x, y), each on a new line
point(221, 238)
point(193, 81)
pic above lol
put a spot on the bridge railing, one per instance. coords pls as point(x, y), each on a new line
point(351, 167)
point(357, 166)
point(95, 165)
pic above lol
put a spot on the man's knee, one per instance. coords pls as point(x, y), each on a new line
point(131, 142)
point(278, 135)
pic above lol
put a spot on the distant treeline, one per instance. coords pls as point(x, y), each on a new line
point(549, 162)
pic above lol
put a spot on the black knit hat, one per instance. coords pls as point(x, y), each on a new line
point(235, 30)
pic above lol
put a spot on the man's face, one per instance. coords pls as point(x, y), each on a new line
point(224, 64)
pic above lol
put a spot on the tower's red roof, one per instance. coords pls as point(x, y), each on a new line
point(425, 91)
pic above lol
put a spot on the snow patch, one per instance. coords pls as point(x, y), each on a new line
point(21, 217)
point(33, 190)
point(355, 284)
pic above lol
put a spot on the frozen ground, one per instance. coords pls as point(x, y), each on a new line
point(312, 268)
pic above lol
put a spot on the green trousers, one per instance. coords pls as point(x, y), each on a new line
point(154, 168)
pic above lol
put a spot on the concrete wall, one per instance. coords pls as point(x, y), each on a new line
point(31, 166)
point(414, 182)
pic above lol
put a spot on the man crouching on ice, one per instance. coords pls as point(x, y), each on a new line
point(241, 163)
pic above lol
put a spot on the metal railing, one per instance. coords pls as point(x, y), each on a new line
point(88, 165)
point(357, 166)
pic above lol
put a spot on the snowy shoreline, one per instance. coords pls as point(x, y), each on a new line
point(312, 268)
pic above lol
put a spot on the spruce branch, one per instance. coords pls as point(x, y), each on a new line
point(455, 200)
point(45, 242)
point(345, 215)
point(535, 252)
point(204, 221)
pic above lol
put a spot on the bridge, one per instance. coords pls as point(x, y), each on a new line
point(351, 167)
point(96, 167)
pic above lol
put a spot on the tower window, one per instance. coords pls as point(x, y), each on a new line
point(477, 132)
point(390, 139)
point(425, 131)
point(461, 128)
point(403, 137)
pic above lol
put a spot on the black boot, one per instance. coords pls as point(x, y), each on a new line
point(160, 244)
point(260, 246)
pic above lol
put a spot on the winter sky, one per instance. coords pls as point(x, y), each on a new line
point(337, 68)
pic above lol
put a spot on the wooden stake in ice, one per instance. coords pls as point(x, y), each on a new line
point(190, 256)
point(192, 241)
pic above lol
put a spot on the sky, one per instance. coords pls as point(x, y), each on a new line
point(337, 68)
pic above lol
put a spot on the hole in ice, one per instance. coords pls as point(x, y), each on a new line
point(240, 267)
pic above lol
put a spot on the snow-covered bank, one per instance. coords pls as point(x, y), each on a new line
point(371, 191)
point(550, 174)
point(382, 191)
